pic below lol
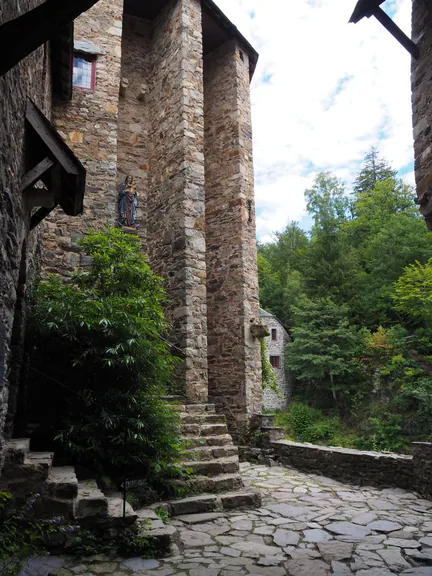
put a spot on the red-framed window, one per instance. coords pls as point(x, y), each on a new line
point(84, 71)
point(275, 361)
point(274, 334)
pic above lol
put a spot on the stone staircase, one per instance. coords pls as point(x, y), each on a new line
point(210, 453)
point(61, 494)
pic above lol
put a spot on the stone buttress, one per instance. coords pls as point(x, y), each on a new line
point(232, 286)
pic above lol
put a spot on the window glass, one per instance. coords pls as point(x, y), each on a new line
point(275, 361)
point(273, 333)
point(83, 72)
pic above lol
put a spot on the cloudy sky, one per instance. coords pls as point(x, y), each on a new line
point(324, 92)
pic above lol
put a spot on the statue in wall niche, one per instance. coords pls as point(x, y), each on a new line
point(128, 201)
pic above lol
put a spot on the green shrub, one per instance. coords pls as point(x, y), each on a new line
point(100, 362)
point(382, 434)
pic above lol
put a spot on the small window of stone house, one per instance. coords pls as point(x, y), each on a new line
point(275, 361)
point(274, 334)
point(84, 71)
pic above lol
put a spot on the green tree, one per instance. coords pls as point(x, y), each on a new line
point(375, 169)
point(100, 363)
point(413, 292)
point(330, 265)
point(324, 344)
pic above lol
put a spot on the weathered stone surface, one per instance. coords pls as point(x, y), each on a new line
point(422, 571)
point(289, 511)
point(384, 526)
point(393, 559)
point(200, 518)
point(316, 535)
point(285, 538)
point(335, 550)
point(426, 541)
point(340, 569)
point(309, 567)
point(348, 529)
point(191, 539)
point(401, 543)
point(365, 518)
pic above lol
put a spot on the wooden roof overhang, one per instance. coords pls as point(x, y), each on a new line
point(21, 36)
point(368, 8)
point(56, 177)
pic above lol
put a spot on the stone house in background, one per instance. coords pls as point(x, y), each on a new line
point(156, 90)
point(275, 348)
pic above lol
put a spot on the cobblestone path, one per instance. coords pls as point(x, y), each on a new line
point(308, 526)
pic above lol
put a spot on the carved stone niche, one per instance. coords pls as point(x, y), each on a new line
point(259, 330)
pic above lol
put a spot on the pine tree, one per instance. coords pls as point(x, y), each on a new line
point(375, 169)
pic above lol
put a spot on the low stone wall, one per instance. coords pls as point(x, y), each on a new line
point(422, 465)
point(355, 466)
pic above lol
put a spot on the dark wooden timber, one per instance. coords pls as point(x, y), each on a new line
point(40, 215)
point(21, 36)
point(368, 8)
point(35, 174)
point(364, 9)
point(395, 31)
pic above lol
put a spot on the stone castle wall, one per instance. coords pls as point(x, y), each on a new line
point(422, 94)
point(89, 125)
point(272, 401)
point(18, 248)
point(146, 118)
point(175, 207)
point(232, 288)
point(134, 110)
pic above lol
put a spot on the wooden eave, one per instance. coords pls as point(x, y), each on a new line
point(54, 164)
point(21, 36)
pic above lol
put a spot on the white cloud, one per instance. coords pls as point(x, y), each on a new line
point(335, 89)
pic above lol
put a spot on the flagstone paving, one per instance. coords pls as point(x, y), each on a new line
point(308, 526)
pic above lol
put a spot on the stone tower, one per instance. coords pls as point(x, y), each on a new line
point(166, 99)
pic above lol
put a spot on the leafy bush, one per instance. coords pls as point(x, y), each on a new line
point(99, 362)
point(382, 435)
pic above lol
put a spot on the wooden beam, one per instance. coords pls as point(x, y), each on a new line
point(395, 31)
point(38, 216)
point(20, 37)
point(35, 174)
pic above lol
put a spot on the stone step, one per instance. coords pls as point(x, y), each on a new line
point(209, 503)
point(62, 482)
point(218, 483)
point(202, 418)
point(216, 467)
point(90, 502)
point(210, 452)
point(115, 512)
point(213, 430)
point(28, 476)
point(16, 450)
point(200, 408)
point(199, 441)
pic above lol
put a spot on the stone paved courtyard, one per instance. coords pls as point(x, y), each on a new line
point(308, 526)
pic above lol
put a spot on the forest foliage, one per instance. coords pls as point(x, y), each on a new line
point(355, 294)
